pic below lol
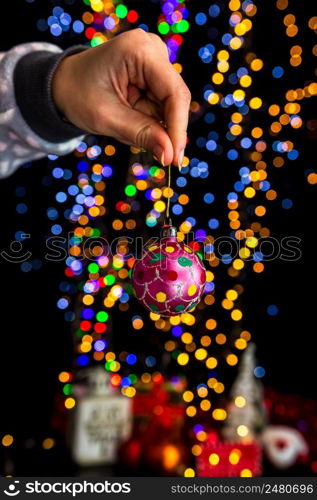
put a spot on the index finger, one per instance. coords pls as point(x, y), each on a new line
point(166, 84)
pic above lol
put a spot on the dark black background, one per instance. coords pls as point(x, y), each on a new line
point(36, 342)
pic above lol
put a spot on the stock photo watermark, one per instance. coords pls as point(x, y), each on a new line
point(225, 248)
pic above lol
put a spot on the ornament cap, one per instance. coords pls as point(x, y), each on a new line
point(168, 230)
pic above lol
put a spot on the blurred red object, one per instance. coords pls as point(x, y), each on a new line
point(229, 459)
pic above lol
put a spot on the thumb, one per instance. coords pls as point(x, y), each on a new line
point(135, 128)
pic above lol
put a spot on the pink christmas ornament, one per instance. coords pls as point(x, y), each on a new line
point(169, 279)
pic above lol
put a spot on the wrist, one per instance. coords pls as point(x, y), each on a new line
point(33, 79)
point(61, 86)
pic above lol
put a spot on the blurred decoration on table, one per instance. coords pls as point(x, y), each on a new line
point(101, 421)
point(243, 145)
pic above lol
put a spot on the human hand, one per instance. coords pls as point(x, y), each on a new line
point(122, 89)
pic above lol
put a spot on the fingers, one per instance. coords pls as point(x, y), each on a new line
point(169, 88)
point(131, 126)
point(143, 103)
point(176, 118)
point(149, 107)
point(149, 68)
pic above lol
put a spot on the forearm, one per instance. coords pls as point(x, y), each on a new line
point(30, 124)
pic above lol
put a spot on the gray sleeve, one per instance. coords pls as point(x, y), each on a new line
point(18, 141)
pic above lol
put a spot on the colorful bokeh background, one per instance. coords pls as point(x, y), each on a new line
point(247, 184)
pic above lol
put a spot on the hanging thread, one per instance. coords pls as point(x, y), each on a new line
point(169, 176)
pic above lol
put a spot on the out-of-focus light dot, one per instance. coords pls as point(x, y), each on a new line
point(236, 42)
point(64, 377)
point(246, 473)
point(256, 64)
point(110, 150)
point(7, 440)
point(246, 142)
point(260, 210)
point(291, 30)
point(183, 359)
point(48, 443)
point(217, 78)
point(189, 472)
point(62, 303)
point(240, 401)
point(292, 155)
point(177, 209)
point(287, 203)
point(312, 178)
point(163, 28)
point(221, 338)
point(252, 242)
point(232, 359)
point(61, 197)
point(242, 430)
point(26, 267)
point(182, 26)
point(234, 457)
point(209, 118)
point(132, 16)
point(196, 449)
point(213, 97)
point(117, 224)
point(209, 198)
point(240, 344)
point(131, 359)
point(70, 403)
point(191, 411)
point(102, 316)
point(259, 371)
point(58, 172)
point(83, 360)
point(56, 29)
point(236, 314)
point(130, 392)
point(219, 414)
point(100, 345)
point(181, 181)
point(144, 27)
point(211, 324)
point(21, 208)
point(278, 72)
point(272, 310)
point(232, 154)
point(258, 267)
point(121, 11)
point(255, 102)
point(107, 171)
point(150, 361)
point(274, 110)
point(56, 229)
point(214, 10)
point(231, 294)
point(78, 26)
point(205, 405)
point(130, 190)
point(211, 363)
point(213, 223)
point(245, 81)
point(238, 264)
point(201, 354)
point(188, 396)
point(214, 459)
point(282, 4)
point(201, 18)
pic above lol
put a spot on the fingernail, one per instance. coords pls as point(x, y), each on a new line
point(158, 153)
point(181, 159)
